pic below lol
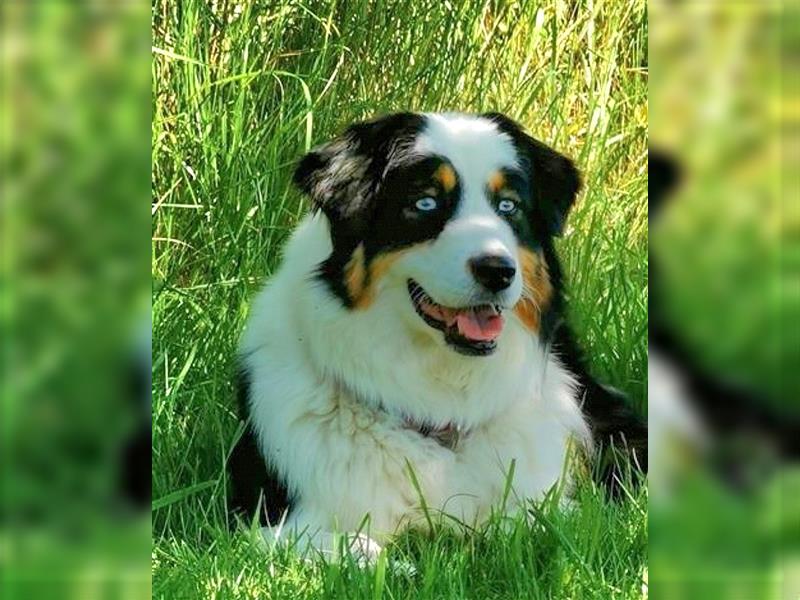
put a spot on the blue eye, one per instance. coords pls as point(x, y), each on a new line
point(506, 207)
point(426, 204)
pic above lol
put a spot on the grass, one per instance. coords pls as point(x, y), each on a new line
point(240, 92)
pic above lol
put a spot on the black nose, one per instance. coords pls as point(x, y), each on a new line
point(494, 272)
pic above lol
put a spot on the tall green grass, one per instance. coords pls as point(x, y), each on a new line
point(240, 92)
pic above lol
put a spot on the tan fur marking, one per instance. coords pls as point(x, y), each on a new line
point(497, 182)
point(537, 291)
point(370, 276)
point(446, 176)
point(355, 274)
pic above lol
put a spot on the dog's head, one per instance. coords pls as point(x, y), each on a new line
point(452, 209)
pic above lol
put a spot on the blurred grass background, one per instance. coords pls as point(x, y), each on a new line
point(74, 294)
point(723, 105)
point(241, 91)
point(726, 241)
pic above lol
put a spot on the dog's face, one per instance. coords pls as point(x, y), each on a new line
point(444, 215)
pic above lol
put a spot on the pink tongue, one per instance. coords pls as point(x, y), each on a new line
point(483, 325)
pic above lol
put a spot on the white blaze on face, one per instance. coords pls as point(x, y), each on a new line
point(476, 149)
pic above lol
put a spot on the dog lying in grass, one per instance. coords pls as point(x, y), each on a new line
point(410, 356)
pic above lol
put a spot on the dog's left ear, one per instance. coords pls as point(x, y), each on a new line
point(553, 177)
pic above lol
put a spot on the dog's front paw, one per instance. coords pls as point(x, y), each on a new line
point(332, 547)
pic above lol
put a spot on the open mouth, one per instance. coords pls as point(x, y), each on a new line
point(470, 330)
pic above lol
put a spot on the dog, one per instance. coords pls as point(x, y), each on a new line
point(410, 356)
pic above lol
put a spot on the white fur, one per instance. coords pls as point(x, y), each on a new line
point(476, 150)
point(331, 387)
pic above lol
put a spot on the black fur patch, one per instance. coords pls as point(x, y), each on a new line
point(252, 479)
point(524, 220)
point(619, 432)
point(342, 176)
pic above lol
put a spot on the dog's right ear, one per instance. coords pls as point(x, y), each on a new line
point(343, 175)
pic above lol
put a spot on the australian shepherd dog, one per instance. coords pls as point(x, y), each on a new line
point(410, 355)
